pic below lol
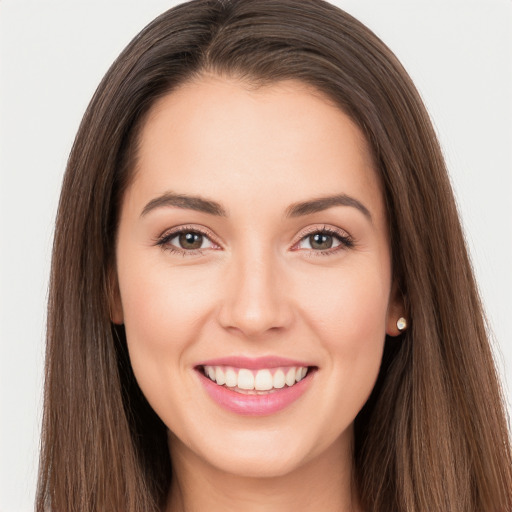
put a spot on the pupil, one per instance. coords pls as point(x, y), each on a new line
point(320, 241)
point(191, 240)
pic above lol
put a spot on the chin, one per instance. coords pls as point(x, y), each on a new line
point(264, 453)
point(256, 464)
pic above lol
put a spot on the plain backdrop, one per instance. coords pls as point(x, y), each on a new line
point(53, 55)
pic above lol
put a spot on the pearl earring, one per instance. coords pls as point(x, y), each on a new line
point(401, 324)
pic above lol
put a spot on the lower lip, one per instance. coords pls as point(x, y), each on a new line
point(255, 405)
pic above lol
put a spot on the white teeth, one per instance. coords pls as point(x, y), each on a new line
point(220, 377)
point(231, 378)
point(279, 380)
point(245, 379)
point(263, 380)
point(290, 377)
point(300, 373)
point(258, 380)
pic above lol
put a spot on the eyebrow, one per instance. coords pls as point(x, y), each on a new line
point(323, 203)
point(186, 202)
point(200, 204)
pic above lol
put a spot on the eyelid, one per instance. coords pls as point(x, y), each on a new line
point(345, 239)
point(163, 239)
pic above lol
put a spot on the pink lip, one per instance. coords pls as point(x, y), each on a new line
point(255, 363)
point(254, 405)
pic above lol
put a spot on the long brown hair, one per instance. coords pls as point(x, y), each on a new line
point(433, 435)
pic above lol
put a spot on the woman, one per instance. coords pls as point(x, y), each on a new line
point(260, 291)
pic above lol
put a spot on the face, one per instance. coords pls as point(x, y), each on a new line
point(254, 274)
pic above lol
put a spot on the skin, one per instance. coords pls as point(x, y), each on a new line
point(256, 288)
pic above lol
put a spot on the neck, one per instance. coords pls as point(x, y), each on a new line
point(323, 483)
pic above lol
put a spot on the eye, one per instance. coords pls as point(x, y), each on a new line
point(324, 241)
point(186, 240)
point(190, 240)
point(319, 241)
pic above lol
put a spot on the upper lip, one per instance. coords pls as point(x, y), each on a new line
point(253, 363)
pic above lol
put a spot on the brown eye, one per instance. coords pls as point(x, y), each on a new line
point(186, 241)
point(320, 241)
point(324, 241)
point(190, 240)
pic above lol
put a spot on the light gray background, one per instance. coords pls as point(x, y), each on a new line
point(54, 53)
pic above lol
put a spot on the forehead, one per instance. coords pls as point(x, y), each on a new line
point(222, 137)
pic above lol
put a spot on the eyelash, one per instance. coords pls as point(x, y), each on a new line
point(345, 240)
point(164, 240)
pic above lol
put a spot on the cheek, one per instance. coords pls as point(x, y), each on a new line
point(349, 303)
point(161, 307)
point(347, 311)
point(160, 311)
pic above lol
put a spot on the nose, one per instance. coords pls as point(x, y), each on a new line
point(255, 297)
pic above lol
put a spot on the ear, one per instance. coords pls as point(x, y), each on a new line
point(114, 298)
point(396, 310)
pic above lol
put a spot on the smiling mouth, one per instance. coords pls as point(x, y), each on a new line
point(255, 382)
